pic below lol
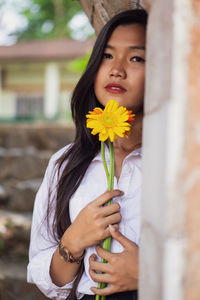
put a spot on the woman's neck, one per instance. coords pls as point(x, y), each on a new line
point(124, 146)
point(134, 140)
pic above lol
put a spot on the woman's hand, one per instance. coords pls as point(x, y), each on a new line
point(121, 269)
point(91, 225)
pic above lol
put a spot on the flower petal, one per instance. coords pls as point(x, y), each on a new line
point(103, 137)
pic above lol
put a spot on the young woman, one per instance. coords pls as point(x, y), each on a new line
point(70, 219)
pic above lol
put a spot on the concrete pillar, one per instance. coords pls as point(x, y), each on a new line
point(170, 239)
point(52, 83)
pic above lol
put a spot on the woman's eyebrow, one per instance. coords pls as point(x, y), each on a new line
point(136, 47)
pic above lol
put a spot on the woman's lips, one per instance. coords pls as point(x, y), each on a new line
point(115, 88)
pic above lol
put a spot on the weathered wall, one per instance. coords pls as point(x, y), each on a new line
point(170, 247)
point(192, 156)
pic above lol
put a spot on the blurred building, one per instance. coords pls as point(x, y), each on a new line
point(35, 81)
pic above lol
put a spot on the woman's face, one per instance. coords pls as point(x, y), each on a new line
point(121, 73)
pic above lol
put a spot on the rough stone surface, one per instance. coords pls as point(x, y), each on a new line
point(25, 150)
point(3, 195)
point(14, 234)
point(21, 194)
point(13, 285)
point(43, 136)
point(23, 163)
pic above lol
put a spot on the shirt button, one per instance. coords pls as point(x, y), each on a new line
point(127, 169)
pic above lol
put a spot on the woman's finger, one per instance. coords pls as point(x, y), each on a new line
point(100, 277)
point(124, 241)
point(112, 219)
point(98, 266)
point(110, 209)
point(107, 255)
point(105, 197)
point(116, 226)
point(104, 292)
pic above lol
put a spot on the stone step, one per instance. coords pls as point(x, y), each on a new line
point(14, 234)
point(23, 163)
point(25, 150)
point(3, 196)
point(43, 136)
point(13, 285)
point(20, 195)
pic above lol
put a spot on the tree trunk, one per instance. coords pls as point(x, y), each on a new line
point(100, 11)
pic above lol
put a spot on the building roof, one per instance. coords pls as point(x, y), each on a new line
point(45, 50)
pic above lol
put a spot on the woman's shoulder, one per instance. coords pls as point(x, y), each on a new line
point(52, 168)
point(59, 153)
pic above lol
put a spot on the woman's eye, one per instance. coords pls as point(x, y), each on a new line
point(137, 59)
point(107, 56)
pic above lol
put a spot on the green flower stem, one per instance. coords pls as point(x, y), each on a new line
point(110, 179)
point(104, 160)
point(112, 166)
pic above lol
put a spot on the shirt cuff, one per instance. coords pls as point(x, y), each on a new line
point(39, 274)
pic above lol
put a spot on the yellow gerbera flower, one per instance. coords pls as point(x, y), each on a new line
point(111, 122)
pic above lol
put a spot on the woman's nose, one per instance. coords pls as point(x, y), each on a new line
point(117, 70)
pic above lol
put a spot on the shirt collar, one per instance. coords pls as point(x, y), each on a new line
point(136, 152)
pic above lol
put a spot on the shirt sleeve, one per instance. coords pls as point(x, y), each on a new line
point(42, 244)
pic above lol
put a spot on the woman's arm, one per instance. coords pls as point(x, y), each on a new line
point(42, 243)
point(63, 272)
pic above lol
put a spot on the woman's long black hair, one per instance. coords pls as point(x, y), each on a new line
point(85, 146)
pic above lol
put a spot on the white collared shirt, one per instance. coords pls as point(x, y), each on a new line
point(94, 183)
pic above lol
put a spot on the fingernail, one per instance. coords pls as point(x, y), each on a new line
point(112, 228)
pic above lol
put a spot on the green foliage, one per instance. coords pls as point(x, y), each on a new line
point(79, 64)
point(48, 19)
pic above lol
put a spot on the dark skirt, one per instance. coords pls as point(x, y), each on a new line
point(133, 295)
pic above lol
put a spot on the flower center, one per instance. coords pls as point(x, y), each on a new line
point(108, 120)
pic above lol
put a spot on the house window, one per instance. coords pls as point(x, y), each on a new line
point(29, 106)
